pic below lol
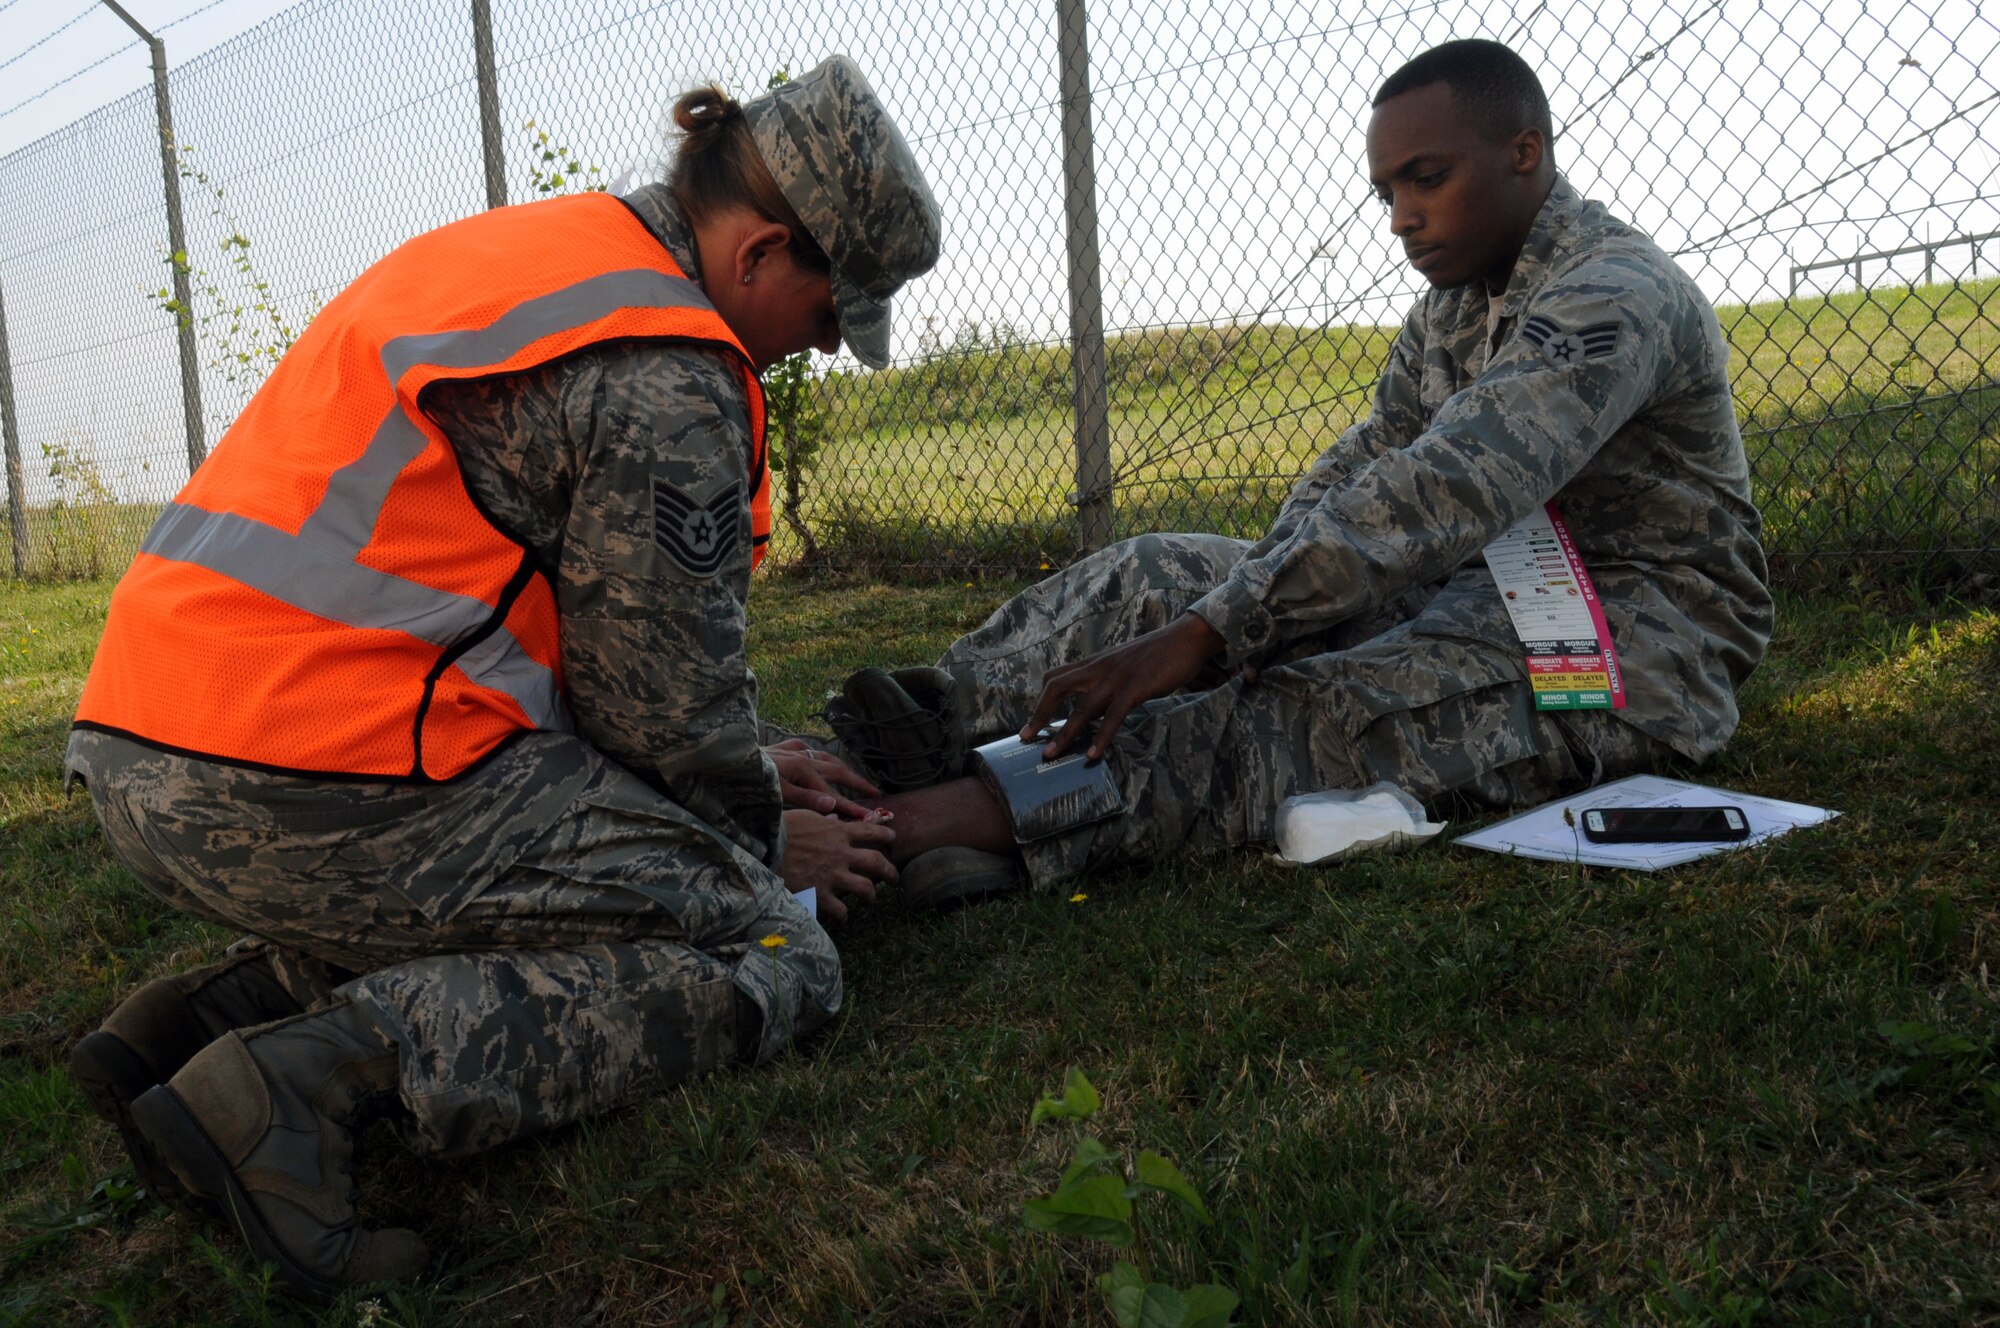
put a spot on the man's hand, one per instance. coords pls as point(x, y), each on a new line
point(806, 778)
point(1112, 681)
point(836, 857)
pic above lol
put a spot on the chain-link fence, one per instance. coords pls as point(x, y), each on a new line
point(1166, 285)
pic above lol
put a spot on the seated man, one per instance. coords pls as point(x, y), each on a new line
point(1560, 357)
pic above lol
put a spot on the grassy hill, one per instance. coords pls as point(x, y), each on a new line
point(1872, 421)
point(1869, 418)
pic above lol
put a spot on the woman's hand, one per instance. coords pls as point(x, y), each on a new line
point(806, 777)
point(1112, 681)
point(835, 857)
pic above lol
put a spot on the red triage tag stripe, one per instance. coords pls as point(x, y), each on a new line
point(1556, 613)
point(1614, 677)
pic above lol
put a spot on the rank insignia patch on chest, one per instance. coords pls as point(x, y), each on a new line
point(1563, 348)
point(698, 536)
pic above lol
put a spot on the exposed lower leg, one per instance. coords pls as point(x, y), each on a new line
point(959, 813)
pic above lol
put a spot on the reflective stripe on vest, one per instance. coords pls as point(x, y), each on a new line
point(320, 572)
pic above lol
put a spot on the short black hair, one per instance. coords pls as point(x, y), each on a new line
point(1488, 79)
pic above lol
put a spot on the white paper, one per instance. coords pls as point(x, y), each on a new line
point(810, 898)
point(1541, 833)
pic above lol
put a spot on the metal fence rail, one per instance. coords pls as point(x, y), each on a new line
point(1165, 287)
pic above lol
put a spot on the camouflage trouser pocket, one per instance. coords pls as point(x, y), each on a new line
point(677, 1026)
point(1425, 713)
point(321, 814)
point(504, 1044)
point(1453, 742)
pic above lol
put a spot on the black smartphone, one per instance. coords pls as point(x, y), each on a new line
point(1665, 825)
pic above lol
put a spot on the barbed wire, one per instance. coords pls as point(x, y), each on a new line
point(29, 50)
point(1639, 62)
point(112, 54)
point(1704, 246)
point(75, 352)
point(1037, 108)
point(30, 100)
point(193, 13)
point(111, 223)
point(1173, 446)
point(580, 38)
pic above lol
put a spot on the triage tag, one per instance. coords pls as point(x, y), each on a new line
point(1548, 594)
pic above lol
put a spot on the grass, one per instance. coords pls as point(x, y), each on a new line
point(1471, 1089)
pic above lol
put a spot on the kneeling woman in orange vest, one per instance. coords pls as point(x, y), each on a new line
point(432, 680)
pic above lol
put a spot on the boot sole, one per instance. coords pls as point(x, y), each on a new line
point(900, 742)
point(112, 1077)
point(937, 891)
point(178, 1137)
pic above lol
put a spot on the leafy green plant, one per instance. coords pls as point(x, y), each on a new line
point(74, 472)
point(88, 1206)
point(82, 535)
point(795, 419)
point(1926, 1059)
point(236, 311)
point(556, 168)
point(796, 426)
point(1712, 1299)
point(1095, 1198)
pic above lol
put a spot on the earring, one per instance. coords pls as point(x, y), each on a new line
point(746, 278)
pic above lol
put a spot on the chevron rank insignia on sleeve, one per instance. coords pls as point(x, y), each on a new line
point(698, 536)
point(1565, 348)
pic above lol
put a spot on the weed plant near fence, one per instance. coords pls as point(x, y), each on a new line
point(1164, 271)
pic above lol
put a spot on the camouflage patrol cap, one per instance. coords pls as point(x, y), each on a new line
point(845, 169)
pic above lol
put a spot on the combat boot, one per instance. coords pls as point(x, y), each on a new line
point(899, 727)
point(948, 878)
point(157, 1030)
point(262, 1124)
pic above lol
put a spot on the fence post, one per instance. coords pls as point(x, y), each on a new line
point(197, 438)
point(489, 104)
point(10, 429)
point(1086, 296)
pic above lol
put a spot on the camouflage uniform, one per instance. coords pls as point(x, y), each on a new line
point(1383, 649)
point(575, 917)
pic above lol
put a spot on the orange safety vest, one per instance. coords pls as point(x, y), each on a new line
point(324, 597)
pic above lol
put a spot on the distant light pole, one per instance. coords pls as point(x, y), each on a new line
point(197, 439)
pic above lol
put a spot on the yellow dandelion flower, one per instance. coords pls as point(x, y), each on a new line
point(1078, 898)
point(772, 942)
